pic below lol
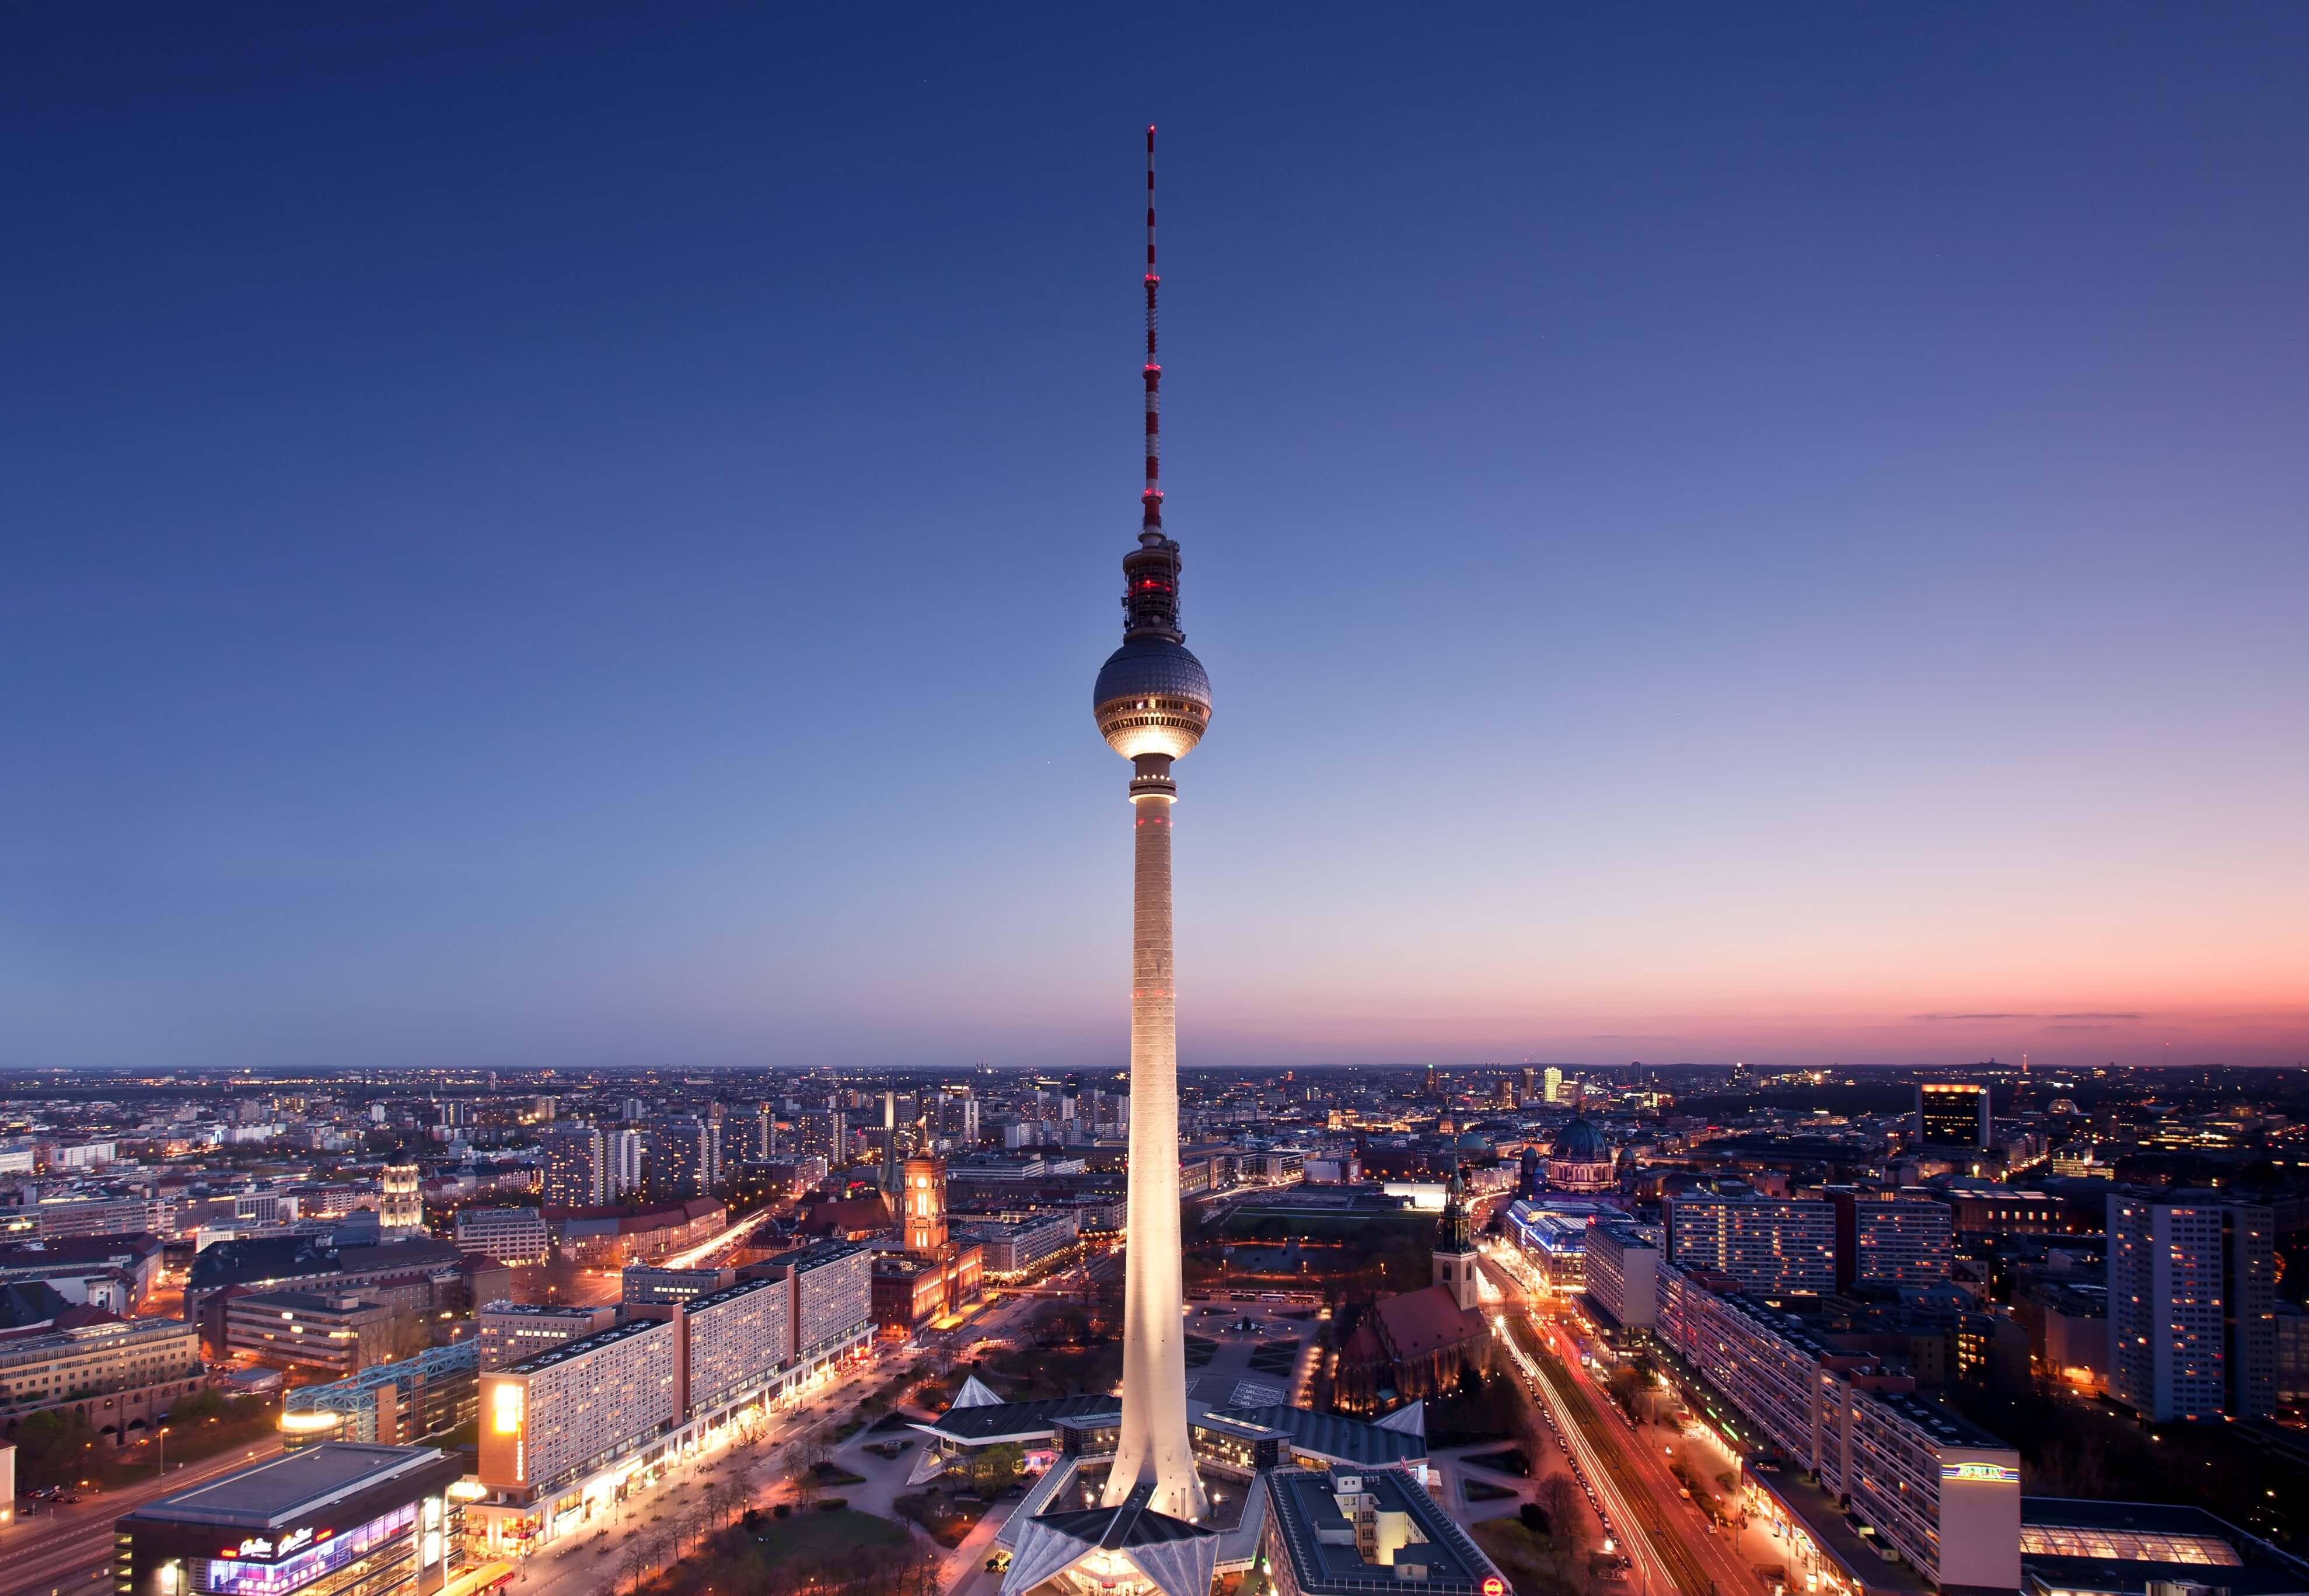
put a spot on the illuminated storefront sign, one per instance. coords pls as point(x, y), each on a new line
point(235, 1575)
point(1991, 1473)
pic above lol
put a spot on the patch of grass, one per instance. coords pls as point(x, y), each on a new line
point(949, 1520)
point(1532, 1562)
point(836, 1474)
point(1484, 1490)
point(1510, 1461)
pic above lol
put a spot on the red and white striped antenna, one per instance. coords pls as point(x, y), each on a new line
point(1150, 523)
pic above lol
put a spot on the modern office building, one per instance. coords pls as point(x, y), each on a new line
point(576, 1168)
point(1946, 1494)
point(1622, 1272)
point(1774, 1247)
point(515, 1235)
point(2191, 1308)
point(1951, 1114)
point(513, 1331)
point(342, 1519)
point(1552, 1088)
point(392, 1404)
point(332, 1336)
point(1900, 1241)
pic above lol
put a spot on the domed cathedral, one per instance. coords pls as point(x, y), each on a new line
point(1579, 1161)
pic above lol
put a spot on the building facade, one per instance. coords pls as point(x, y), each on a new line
point(2191, 1308)
point(1774, 1246)
point(1945, 1493)
point(515, 1235)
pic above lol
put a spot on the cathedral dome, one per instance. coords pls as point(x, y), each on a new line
point(1579, 1142)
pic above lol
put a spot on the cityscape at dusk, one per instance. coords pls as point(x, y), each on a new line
point(1682, 974)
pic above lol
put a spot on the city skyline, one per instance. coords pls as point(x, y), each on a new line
point(1812, 503)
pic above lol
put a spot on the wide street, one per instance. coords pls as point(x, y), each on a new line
point(69, 1551)
point(1674, 1548)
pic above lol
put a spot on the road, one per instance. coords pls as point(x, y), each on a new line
point(1674, 1550)
point(71, 1553)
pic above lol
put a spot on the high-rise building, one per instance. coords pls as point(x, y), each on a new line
point(576, 1168)
point(765, 1133)
point(1621, 1270)
point(824, 1133)
point(1901, 1242)
point(958, 1116)
point(1950, 1113)
point(625, 1149)
point(1773, 1247)
point(1153, 703)
point(686, 1156)
point(1554, 1079)
point(2191, 1308)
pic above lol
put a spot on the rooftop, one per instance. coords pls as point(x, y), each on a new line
point(995, 1421)
point(1320, 1541)
point(1331, 1435)
point(537, 1361)
point(290, 1486)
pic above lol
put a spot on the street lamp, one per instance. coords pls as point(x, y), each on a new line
point(161, 1450)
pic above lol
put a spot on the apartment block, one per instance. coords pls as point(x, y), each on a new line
point(833, 1297)
point(739, 1340)
point(2191, 1308)
point(1774, 1246)
point(1621, 1270)
point(559, 1415)
point(1945, 1493)
point(513, 1331)
point(1901, 1241)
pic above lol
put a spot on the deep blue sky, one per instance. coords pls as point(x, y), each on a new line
point(570, 534)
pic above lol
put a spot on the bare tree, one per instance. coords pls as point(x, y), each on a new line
point(634, 1564)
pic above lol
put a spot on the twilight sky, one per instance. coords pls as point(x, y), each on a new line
point(571, 534)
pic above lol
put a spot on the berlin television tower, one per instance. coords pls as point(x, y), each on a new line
point(1152, 702)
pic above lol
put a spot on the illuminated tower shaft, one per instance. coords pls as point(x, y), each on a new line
point(1153, 1440)
point(1152, 702)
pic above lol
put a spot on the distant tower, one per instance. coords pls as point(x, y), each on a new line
point(923, 1218)
point(401, 1204)
point(1153, 701)
point(1455, 1244)
point(890, 1147)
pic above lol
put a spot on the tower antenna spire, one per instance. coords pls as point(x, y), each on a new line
point(1150, 501)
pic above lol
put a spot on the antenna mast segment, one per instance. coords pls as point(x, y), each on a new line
point(1150, 525)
